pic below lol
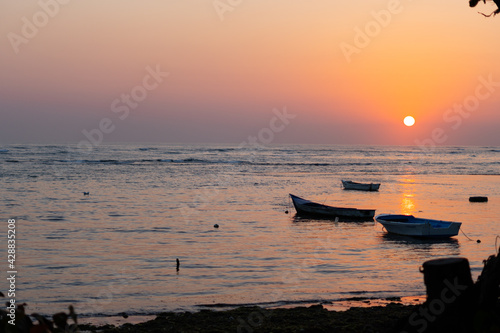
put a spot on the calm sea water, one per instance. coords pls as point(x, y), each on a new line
point(114, 250)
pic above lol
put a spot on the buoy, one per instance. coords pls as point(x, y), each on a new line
point(478, 199)
point(216, 226)
point(286, 212)
point(478, 241)
point(178, 263)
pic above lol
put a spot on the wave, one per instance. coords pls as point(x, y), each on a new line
point(53, 218)
point(221, 150)
point(391, 160)
point(20, 147)
point(147, 148)
point(276, 163)
point(103, 161)
point(202, 161)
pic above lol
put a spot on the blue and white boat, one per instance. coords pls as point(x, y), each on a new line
point(410, 225)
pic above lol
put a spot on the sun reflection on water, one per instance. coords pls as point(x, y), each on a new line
point(407, 205)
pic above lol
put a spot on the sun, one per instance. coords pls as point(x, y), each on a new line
point(409, 121)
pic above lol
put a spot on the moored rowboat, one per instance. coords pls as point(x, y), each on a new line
point(350, 185)
point(306, 207)
point(410, 225)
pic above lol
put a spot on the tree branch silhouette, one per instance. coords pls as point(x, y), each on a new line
point(473, 3)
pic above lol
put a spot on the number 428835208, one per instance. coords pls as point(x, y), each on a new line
point(11, 243)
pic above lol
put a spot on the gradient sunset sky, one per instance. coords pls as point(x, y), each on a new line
point(349, 71)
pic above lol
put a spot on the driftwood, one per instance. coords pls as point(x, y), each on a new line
point(454, 303)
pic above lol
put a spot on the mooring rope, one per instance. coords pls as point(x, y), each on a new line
point(289, 205)
point(478, 241)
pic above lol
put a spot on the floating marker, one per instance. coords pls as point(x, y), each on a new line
point(216, 226)
point(178, 263)
point(478, 199)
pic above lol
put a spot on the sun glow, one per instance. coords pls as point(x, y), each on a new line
point(409, 121)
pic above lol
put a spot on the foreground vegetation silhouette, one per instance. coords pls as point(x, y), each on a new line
point(473, 3)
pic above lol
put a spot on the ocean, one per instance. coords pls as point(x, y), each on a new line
point(114, 250)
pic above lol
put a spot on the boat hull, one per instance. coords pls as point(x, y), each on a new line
point(349, 185)
point(309, 208)
point(409, 225)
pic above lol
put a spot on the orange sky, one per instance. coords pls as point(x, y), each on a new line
point(230, 66)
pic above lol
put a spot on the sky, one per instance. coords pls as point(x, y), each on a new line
point(223, 71)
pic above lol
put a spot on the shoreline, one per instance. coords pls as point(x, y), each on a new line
point(367, 308)
point(313, 318)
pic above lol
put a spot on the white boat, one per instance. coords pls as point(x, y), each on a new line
point(350, 185)
point(306, 207)
point(410, 225)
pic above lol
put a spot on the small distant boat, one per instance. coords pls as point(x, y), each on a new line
point(306, 207)
point(350, 185)
point(410, 225)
